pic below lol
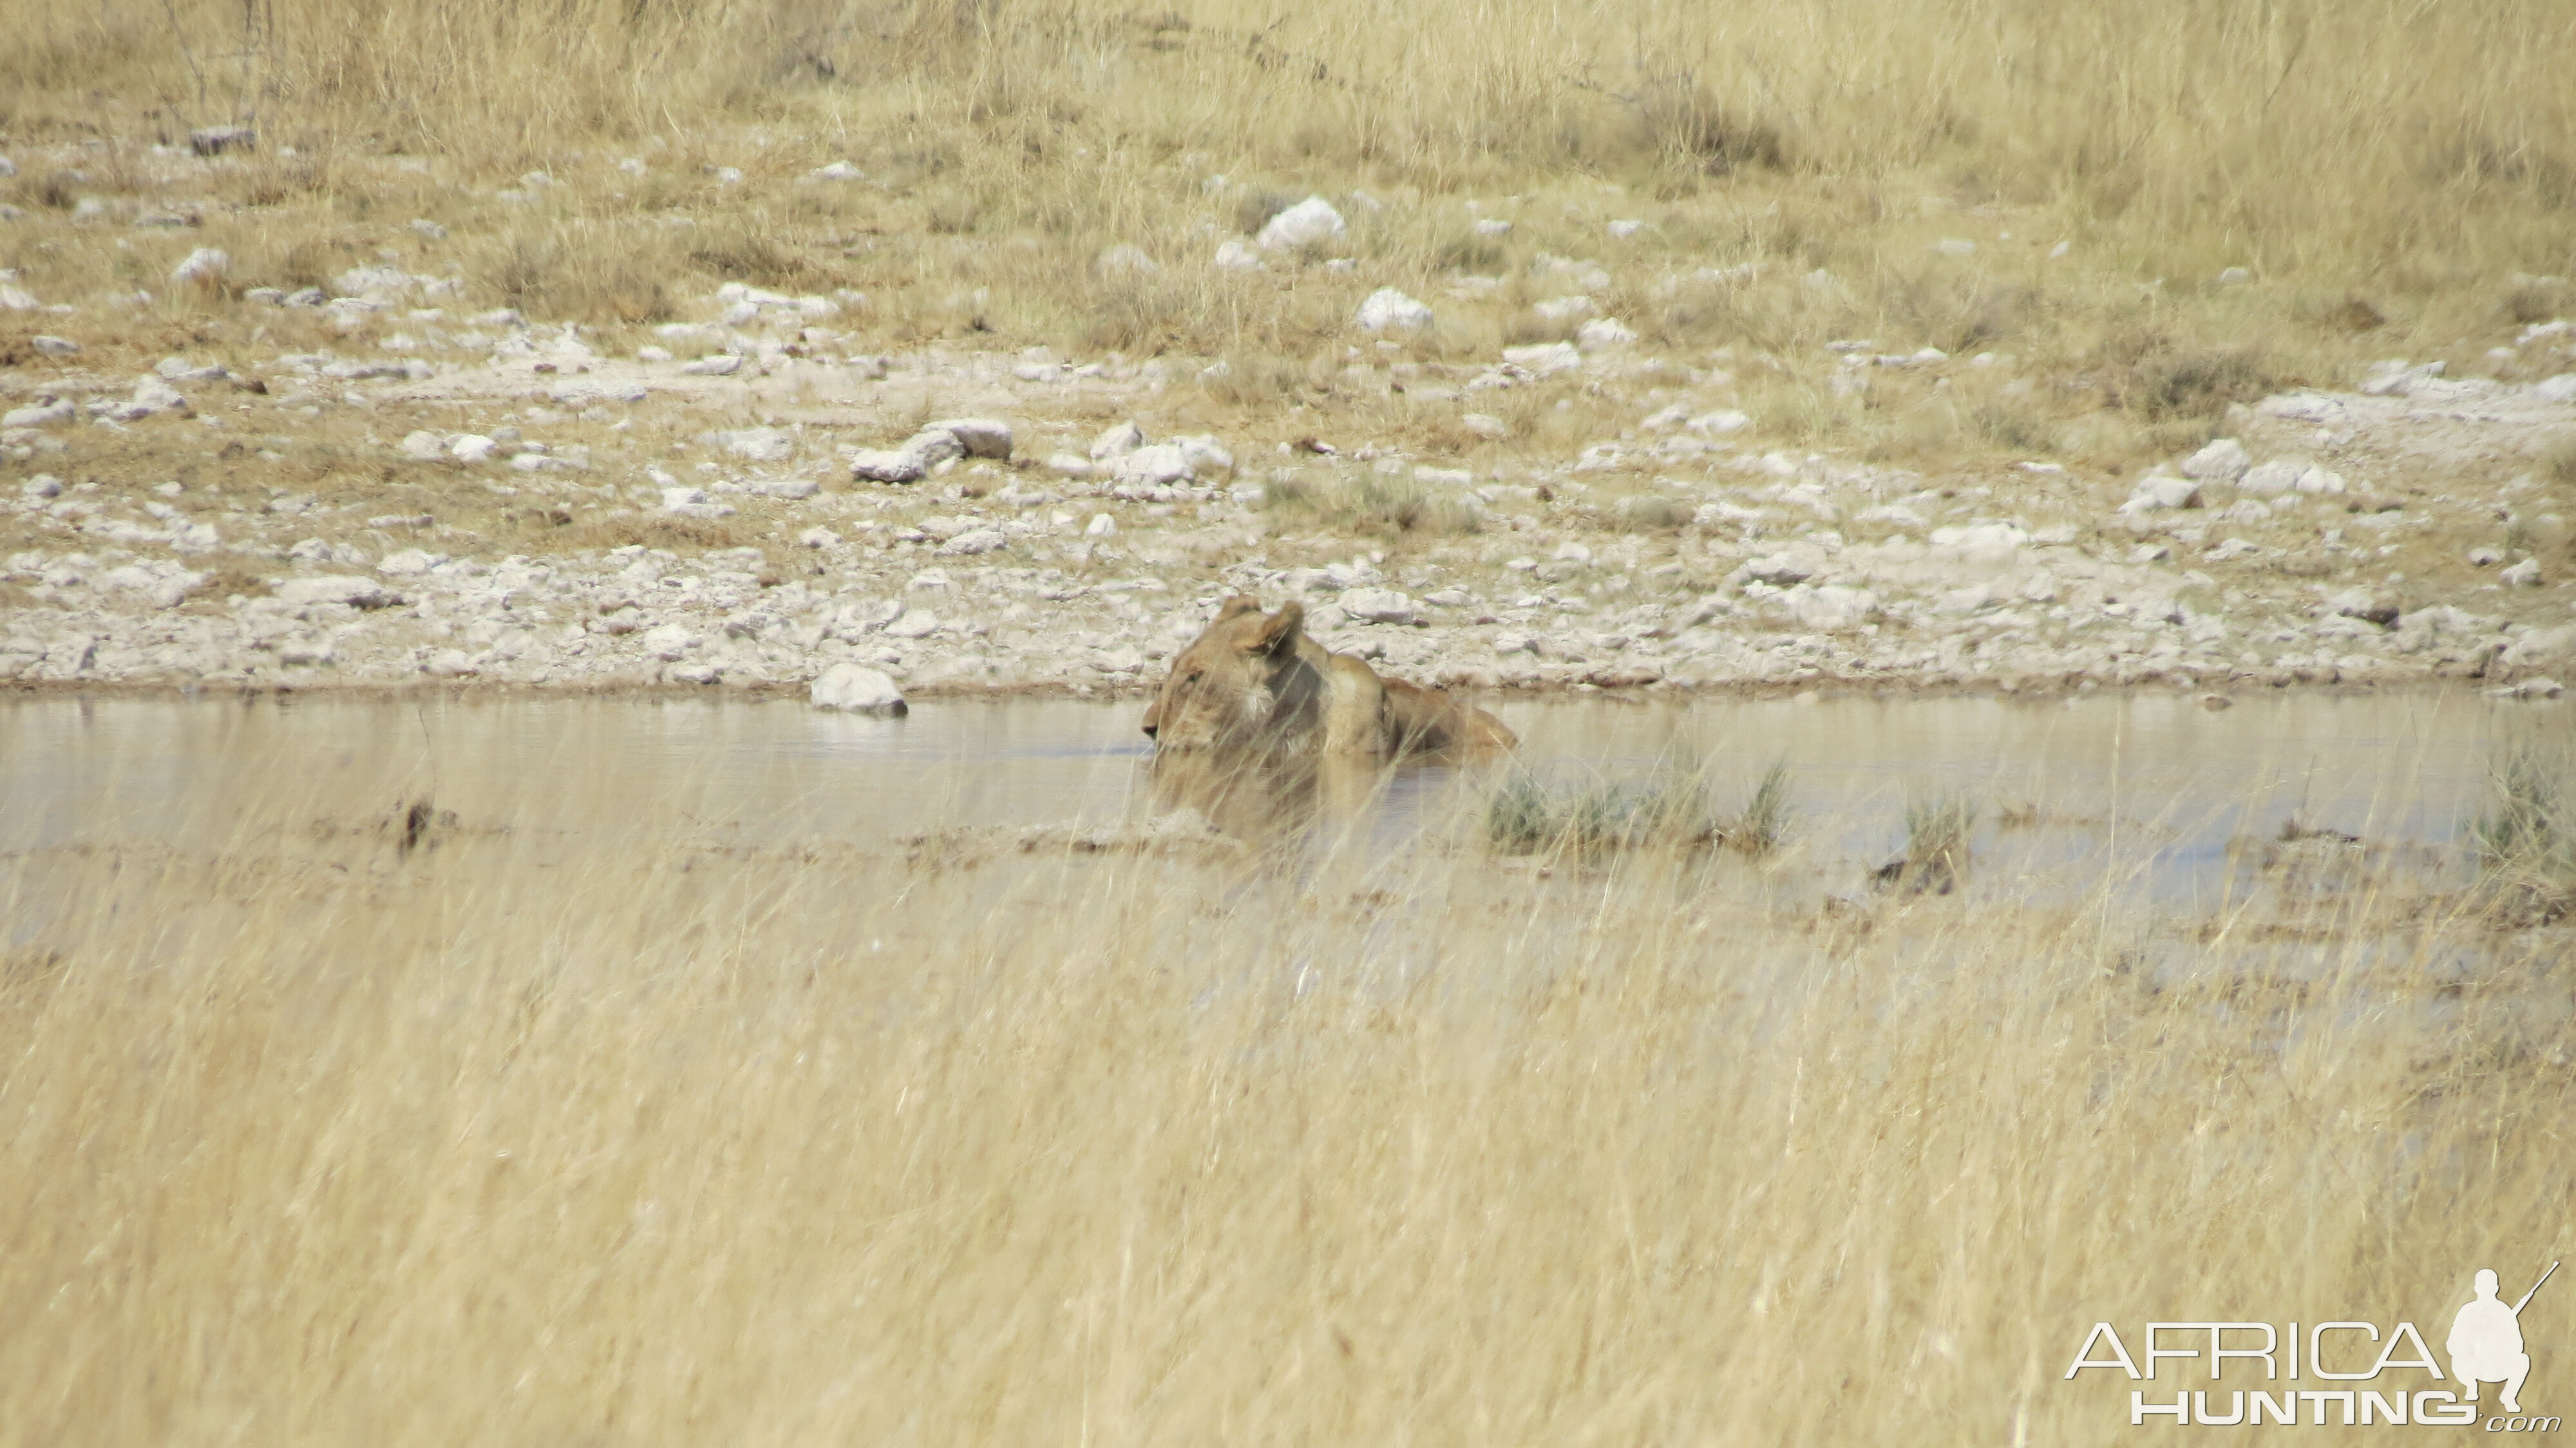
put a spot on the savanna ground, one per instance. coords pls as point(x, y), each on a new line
point(2115, 231)
point(310, 1137)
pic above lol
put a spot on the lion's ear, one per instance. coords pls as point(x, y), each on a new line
point(1236, 607)
point(1278, 633)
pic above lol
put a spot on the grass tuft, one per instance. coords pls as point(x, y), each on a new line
point(1371, 503)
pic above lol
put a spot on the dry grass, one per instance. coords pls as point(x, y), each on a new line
point(1006, 147)
point(517, 1133)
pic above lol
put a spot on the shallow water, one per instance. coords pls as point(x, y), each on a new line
point(2147, 791)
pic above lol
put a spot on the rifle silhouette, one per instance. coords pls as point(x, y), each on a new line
point(2526, 1297)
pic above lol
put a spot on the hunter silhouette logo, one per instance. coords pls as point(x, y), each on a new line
point(2486, 1341)
point(2485, 1345)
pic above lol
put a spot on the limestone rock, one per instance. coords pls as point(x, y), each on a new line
point(1311, 222)
point(856, 689)
point(1389, 310)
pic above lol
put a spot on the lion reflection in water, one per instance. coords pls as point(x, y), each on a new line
point(1258, 718)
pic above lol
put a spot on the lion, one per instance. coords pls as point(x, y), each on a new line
point(1255, 683)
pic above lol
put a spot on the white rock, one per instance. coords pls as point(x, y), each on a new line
point(2235, 276)
point(423, 447)
point(1310, 222)
point(2267, 480)
point(1101, 526)
point(1955, 246)
point(916, 623)
point(1117, 442)
point(178, 369)
point(1069, 465)
point(817, 536)
point(1378, 605)
point(910, 463)
point(981, 437)
point(2155, 492)
point(1564, 309)
point(423, 226)
point(1485, 425)
point(856, 689)
point(1161, 465)
point(1207, 458)
point(1233, 255)
point(2223, 461)
point(1125, 259)
point(1833, 606)
point(2320, 480)
point(759, 444)
point(713, 365)
point(353, 591)
point(1387, 309)
point(892, 465)
point(15, 299)
point(668, 642)
point(152, 395)
point(1780, 570)
point(934, 446)
point(1720, 423)
point(52, 346)
point(2393, 378)
point(1545, 359)
point(1604, 332)
point(471, 447)
point(2561, 388)
point(974, 541)
point(1623, 229)
point(785, 487)
point(836, 171)
point(43, 414)
point(2525, 574)
point(205, 264)
point(410, 561)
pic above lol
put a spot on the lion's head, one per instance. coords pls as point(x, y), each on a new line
point(1226, 686)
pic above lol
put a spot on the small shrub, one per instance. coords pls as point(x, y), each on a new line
point(2524, 841)
point(744, 255)
point(2559, 463)
point(1470, 253)
point(1685, 120)
point(1253, 209)
point(2525, 827)
point(1525, 817)
point(1937, 832)
point(2149, 374)
point(1370, 503)
point(1651, 514)
point(1763, 824)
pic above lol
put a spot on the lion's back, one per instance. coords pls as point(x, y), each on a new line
point(1436, 721)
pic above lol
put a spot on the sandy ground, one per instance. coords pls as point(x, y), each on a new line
point(402, 494)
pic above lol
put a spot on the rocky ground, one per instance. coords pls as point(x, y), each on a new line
point(385, 490)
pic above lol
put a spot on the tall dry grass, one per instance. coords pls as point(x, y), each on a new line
point(540, 1135)
point(2396, 178)
point(2378, 133)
